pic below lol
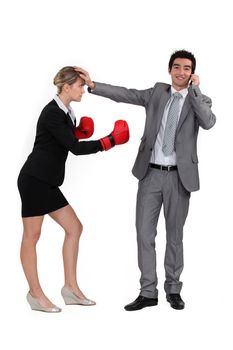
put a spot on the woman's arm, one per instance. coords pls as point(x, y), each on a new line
point(54, 123)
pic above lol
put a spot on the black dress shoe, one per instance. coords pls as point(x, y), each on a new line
point(140, 303)
point(175, 301)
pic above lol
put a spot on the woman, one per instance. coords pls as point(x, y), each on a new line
point(41, 176)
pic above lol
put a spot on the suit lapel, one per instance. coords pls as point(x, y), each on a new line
point(53, 102)
point(165, 95)
point(184, 113)
point(70, 121)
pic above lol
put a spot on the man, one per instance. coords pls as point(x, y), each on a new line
point(166, 167)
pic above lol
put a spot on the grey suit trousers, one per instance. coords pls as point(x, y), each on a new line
point(161, 187)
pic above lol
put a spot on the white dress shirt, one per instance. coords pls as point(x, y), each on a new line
point(64, 108)
point(157, 156)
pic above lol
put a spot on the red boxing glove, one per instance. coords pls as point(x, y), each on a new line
point(119, 135)
point(85, 128)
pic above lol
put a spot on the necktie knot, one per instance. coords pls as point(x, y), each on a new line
point(177, 95)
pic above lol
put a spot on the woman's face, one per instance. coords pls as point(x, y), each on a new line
point(76, 90)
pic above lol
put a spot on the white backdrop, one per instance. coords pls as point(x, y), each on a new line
point(125, 43)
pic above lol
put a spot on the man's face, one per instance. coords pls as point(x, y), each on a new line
point(181, 72)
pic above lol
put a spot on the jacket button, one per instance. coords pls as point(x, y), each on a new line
point(151, 149)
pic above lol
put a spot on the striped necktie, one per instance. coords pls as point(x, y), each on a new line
point(170, 128)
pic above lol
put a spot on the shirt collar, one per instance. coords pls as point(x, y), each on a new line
point(64, 108)
point(61, 104)
point(183, 92)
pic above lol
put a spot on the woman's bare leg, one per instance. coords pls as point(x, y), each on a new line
point(31, 235)
point(72, 226)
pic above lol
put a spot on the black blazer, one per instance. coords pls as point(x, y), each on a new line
point(54, 139)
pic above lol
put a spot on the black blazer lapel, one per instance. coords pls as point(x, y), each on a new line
point(68, 118)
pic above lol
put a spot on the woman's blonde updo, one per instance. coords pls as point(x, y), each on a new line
point(66, 75)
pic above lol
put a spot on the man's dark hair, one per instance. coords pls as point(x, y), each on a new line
point(182, 54)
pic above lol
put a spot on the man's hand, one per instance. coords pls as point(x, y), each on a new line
point(86, 77)
point(195, 79)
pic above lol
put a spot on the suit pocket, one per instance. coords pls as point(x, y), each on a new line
point(142, 144)
point(194, 158)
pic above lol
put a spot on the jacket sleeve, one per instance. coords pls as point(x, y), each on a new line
point(202, 107)
point(122, 94)
point(54, 123)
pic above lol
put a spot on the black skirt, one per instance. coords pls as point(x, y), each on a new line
point(39, 198)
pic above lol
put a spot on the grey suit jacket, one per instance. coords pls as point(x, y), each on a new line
point(196, 112)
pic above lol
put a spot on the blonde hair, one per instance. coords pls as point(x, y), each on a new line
point(66, 75)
